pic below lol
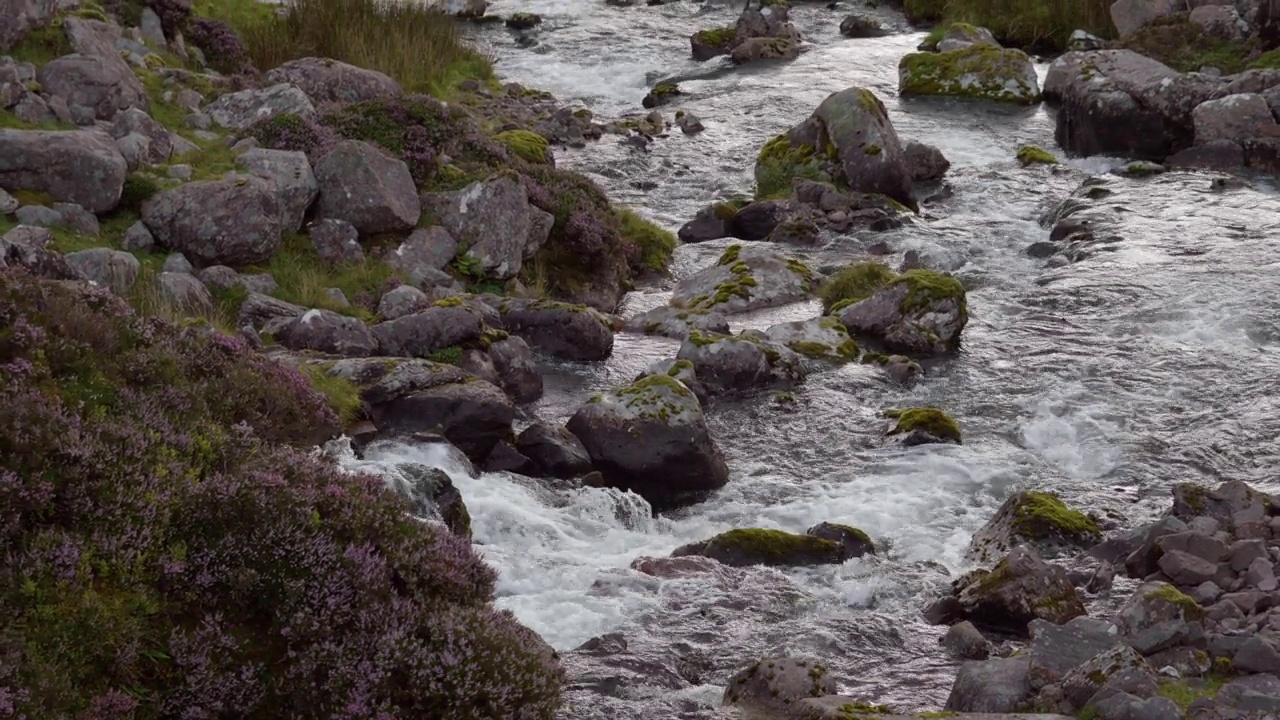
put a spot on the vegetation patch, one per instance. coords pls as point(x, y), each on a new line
point(304, 279)
point(852, 284)
point(1186, 47)
point(1031, 155)
point(1191, 609)
point(1038, 512)
point(1036, 25)
point(780, 163)
point(720, 37)
point(528, 145)
point(654, 244)
point(983, 72)
point(931, 420)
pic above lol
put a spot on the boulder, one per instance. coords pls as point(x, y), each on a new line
point(764, 34)
point(28, 247)
point(681, 370)
point(1220, 155)
point(772, 685)
point(264, 313)
point(328, 332)
point(850, 139)
point(1119, 664)
point(95, 76)
point(756, 546)
point(114, 269)
point(1220, 21)
point(1234, 117)
point(424, 333)
point(861, 26)
point(366, 187)
point(1056, 650)
point(979, 71)
point(745, 279)
point(964, 641)
point(710, 223)
point(505, 458)
point(570, 332)
point(424, 251)
point(998, 685)
point(651, 438)
point(925, 162)
point(1131, 15)
point(676, 323)
point(159, 146)
point(330, 81)
point(408, 395)
point(757, 220)
point(1019, 589)
point(235, 221)
point(742, 363)
point(712, 42)
point(962, 35)
point(1233, 503)
point(243, 109)
point(1157, 616)
point(183, 292)
point(555, 451)
point(18, 17)
point(336, 241)
point(855, 543)
point(289, 173)
point(501, 229)
point(818, 339)
point(75, 166)
point(403, 300)
point(177, 262)
point(1038, 519)
point(918, 311)
point(759, 48)
point(922, 426)
point(517, 370)
point(431, 494)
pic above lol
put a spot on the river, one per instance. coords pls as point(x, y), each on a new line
point(1153, 361)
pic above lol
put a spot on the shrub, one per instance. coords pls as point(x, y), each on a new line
point(418, 46)
point(137, 190)
point(303, 278)
point(654, 243)
point(168, 553)
point(221, 45)
point(288, 131)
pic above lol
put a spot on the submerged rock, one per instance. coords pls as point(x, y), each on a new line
point(976, 71)
point(757, 546)
point(856, 543)
point(432, 494)
point(741, 363)
point(651, 438)
point(923, 425)
point(1039, 519)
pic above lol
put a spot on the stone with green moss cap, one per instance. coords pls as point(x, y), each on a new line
point(661, 94)
point(982, 72)
point(1039, 519)
point(528, 145)
point(758, 546)
point(650, 437)
point(918, 311)
point(818, 339)
point(745, 278)
point(772, 686)
point(852, 284)
point(923, 425)
point(743, 363)
point(855, 542)
point(711, 42)
point(1033, 155)
point(848, 140)
point(1159, 616)
point(677, 322)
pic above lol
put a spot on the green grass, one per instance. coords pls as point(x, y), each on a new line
point(656, 244)
point(1185, 47)
point(342, 394)
point(302, 278)
point(419, 47)
point(853, 284)
point(1185, 692)
point(41, 46)
point(1043, 25)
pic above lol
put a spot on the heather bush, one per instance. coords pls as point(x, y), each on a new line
point(171, 550)
point(288, 131)
point(174, 15)
point(222, 47)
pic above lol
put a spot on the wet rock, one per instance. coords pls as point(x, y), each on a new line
point(740, 364)
point(113, 269)
point(711, 223)
point(424, 333)
point(757, 220)
point(922, 426)
point(1118, 666)
point(962, 35)
point(330, 81)
point(243, 109)
point(975, 71)
point(1233, 503)
point(925, 162)
point(663, 93)
point(1056, 650)
point(554, 451)
point(689, 123)
point(1221, 155)
point(328, 332)
point(505, 458)
point(1234, 117)
point(1039, 519)
point(1019, 589)
point(218, 222)
point(424, 252)
point(745, 279)
point(336, 241)
point(681, 370)
point(1157, 616)
point(401, 301)
point(855, 543)
point(964, 641)
point(651, 438)
point(868, 155)
point(756, 546)
point(501, 228)
point(432, 494)
point(758, 48)
point(1138, 549)
point(860, 26)
point(371, 190)
point(409, 395)
point(513, 360)
point(80, 167)
point(818, 339)
point(764, 34)
point(772, 685)
point(998, 685)
point(571, 332)
point(919, 311)
point(290, 174)
point(94, 77)
point(676, 323)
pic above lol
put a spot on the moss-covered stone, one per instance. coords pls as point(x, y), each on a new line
point(720, 37)
point(852, 284)
point(928, 286)
point(1031, 155)
point(930, 420)
point(527, 144)
point(662, 94)
point(780, 163)
point(756, 546)
point(1190, 609)
point(1041, 515)
point(655, 244)
point(523, 20)
point(982, 72)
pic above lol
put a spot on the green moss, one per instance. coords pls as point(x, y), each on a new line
point(1191, 609)
point(1042, 25)
point(448, 302)
point(931, 420)
point(1039, 511)
point(730, 255)
point(871, 150)
point(656, 245)
point(773, 547)
point(924, 10)
point(1269, 60)
point(528, 145)
point(1030, 154)
point(860, 710)
point(852, 284)
point(780, 163)
point(137, 189)
point(720, 37)
point(42, 46)
point(342, 394)
point(664, 90)
point(977, 71)
point(1088, 712)
point(1185, 692)
point(1186, 47)
point(927, 286)
point(449, 356)
point(304, 279)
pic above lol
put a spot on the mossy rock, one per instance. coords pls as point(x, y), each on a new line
point(981, 72)
point(780, 163)
point(756, 546)
point(852, 284)
point(1032, 155)
point(923, 425)
point(1038, 519)
point(721, 37)
point(856, 542)
point(523, 20)
point(662, 94)
point(528, 145)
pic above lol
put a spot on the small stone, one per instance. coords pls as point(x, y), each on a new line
point(199, 121)
point(178, 263)
point(964, 641)
point(180, 172)
point(137, 238)
point(1257, 655)
point(1187, 569)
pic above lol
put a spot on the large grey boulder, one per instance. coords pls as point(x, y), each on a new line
point(366, 187)
point(330, 81)
point(241, 110)
point(517, 369)
point(402, 300)
point(962, 35)
point(817, 339)
point(773, 685)
point(1056, 650)
point(426, 251)
point(328, 332)
point(114, 269)
point(336, 241)
point(1234, 117)
point(183, 292)
point(745, 278)
point(868, 156)
point(428, 331)
point(975, 71)
point(94, 77)
point(493, 219)
point(652, 438)
point(742, 363)
point(571, 332)
point(1018, 590)
point(1157, 617)
point(18, 17)
point(1037, 519)
point(73, 166)
point(554, 450)
point(998, 685)
point(289, 173)
point(918, 311)
point(235, 221)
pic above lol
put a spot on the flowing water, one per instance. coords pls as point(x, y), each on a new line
point(1151, 362)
